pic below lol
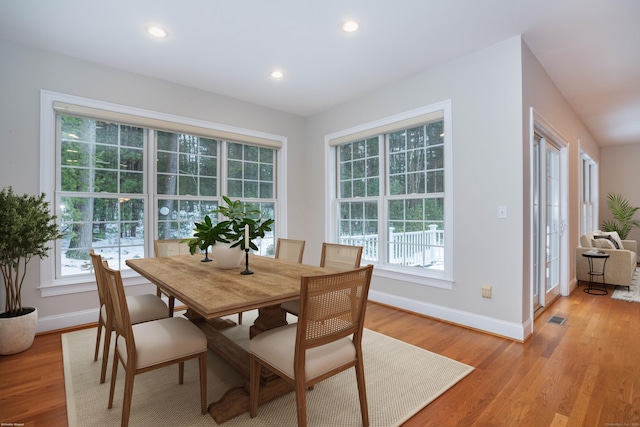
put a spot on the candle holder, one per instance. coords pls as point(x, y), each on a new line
point(206, 255)
point(246, 263)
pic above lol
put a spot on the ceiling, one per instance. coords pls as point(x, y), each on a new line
point(589, 48)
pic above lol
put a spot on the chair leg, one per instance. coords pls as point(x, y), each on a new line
point(362, 392)
point(181, 373)
point(98, 336)
point(301, 402)
point(240, 318)
point(128, 394)
point(254, 386)
point(172, 305)
point(105, 352)
point(114, 373)
point(203, 382)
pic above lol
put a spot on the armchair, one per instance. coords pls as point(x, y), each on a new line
point(620, 265)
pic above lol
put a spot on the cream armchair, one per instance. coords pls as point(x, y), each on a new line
point(620, 265)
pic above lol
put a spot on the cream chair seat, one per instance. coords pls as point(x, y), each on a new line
point(142, 308)
point(335, 256)
point(150, 345)
point(326, 340)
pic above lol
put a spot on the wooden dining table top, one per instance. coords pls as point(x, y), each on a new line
point(212, 292)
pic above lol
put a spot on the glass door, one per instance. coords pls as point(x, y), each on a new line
point(548, 225)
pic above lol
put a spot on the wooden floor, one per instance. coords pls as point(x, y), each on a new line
point(583, 373)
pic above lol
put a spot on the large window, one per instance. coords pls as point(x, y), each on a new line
point(120, 181)
point(588, 195)
point(390, 197)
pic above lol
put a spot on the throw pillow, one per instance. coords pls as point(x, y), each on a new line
point(603, 243)
point(607, 237)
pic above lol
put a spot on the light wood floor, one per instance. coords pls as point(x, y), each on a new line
point(583, 373)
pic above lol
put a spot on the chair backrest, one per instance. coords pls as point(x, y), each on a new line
point(117, 306)
point(332, 307)
point(170, 247)
point(290, 249)
point(340, 257)
point(96, 261)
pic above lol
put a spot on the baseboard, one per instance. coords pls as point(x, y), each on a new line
point(67, 320)
point(514, 331)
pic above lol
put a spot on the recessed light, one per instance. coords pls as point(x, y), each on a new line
point(350, 26)
point(157, 32)
point(277, 74)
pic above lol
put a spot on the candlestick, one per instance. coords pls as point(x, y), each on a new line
point(246, 236)
point(246, 268)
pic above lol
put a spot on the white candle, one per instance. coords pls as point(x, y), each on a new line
point(246, 236)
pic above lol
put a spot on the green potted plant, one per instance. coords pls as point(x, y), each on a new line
point(26, 226)
point(623, 213)
point(237, 232)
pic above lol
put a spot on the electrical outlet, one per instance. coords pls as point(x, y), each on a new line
point(486, 291)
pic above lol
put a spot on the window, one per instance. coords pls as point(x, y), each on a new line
point(389, 192)
point(118, 181)
point(589, 195)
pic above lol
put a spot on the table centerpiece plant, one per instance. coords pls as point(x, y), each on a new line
point(26, 226)
point(237, 231)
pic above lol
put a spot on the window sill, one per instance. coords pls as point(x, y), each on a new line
point(86, 284)
point(434, 279)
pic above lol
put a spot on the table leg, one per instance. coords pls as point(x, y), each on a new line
point(236, 400)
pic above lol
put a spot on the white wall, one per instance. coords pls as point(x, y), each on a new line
point(622, 164)
point(541, 93)
point(24, 72)
point(486, 96)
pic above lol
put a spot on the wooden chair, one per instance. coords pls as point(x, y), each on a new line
point(169, 247)
point(150, 345)
point(142, 308)
point(320, 345)
point(288, 249)
point(338, 257)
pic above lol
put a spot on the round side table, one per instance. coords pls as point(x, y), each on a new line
point(591, 256)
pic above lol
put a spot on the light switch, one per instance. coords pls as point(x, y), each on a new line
point(502, 211)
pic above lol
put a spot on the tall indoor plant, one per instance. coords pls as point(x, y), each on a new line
point(240, 222)
point(26, 226)
point(623, 213)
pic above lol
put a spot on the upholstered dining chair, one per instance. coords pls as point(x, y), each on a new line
point(288, 249)
point(336, 256)
point(169, 247)
point(326, 340)
point(142, 308)
point(151, 345)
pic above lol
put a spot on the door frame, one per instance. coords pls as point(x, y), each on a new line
point(539, 125)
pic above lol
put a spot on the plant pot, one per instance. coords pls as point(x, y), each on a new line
point(17, 333)
point(225, 256)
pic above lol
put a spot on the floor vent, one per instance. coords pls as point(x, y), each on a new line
point(557, 320)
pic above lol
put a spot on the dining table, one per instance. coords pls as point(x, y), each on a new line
point(211, 293)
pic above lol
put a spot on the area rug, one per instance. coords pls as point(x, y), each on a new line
point(633, 294)
point(401, 380)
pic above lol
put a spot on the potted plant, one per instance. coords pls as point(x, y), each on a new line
point(26, 226)
point(623, 213)
point(237, 232)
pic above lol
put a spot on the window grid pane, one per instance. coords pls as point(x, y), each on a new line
point(250, 171)
point(413, 235)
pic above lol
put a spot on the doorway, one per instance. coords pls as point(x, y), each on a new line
point(549, 211)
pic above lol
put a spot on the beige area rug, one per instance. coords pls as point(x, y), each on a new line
point(401, 379)
point(633, 294)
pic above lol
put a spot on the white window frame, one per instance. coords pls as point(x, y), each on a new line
point(588, 186)
point(49, 285)
point(440, 279)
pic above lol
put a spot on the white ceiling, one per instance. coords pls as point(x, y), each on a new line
point(590, 48)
